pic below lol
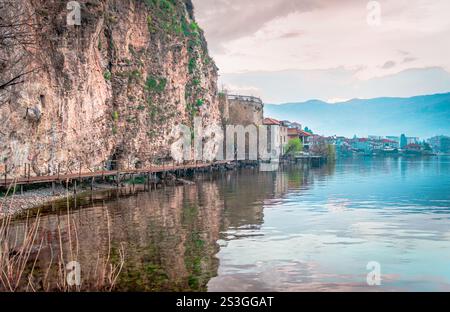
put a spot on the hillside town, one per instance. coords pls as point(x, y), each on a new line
point(312, 144)
point(301, 141)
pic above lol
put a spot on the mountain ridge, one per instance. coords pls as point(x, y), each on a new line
point(422, 115)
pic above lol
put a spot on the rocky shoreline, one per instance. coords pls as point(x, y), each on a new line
point(16, 203)
point(20, 202)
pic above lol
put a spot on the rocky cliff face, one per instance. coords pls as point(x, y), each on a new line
point(110, 89)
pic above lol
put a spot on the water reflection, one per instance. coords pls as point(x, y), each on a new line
point(296, 228)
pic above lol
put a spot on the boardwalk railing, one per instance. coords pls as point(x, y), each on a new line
point(104, 172)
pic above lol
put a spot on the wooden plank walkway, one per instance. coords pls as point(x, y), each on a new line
point(5, 182)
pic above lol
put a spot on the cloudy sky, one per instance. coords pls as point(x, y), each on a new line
point(333, 50)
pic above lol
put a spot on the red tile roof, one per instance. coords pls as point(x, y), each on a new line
point(271, 122)
point(304, 133)
point(300, 133)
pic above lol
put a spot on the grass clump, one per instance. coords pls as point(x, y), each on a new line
point(155, 84)
point(107, 75)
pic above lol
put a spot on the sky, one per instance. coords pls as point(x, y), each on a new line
point(332, 50)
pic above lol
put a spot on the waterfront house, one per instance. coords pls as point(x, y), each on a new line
point(362, 145)
point(305, 137)
point(284, 137)
point(396, 139)
point(291, 125)
point(413, 147)
point(389, 144)
point(293, 133)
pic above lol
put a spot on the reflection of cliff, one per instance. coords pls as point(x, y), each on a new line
point(169, 238)
point(176, 242)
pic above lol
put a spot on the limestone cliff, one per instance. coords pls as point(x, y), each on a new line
point(111, 88)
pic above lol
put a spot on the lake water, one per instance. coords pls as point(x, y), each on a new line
point(295, 229)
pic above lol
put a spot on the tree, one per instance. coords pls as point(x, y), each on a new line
point(320, 148)
point(308, 130)
point(426, 146)
point(294, 146)
point(17, 37)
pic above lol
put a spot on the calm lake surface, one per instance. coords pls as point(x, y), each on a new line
point(296, 229)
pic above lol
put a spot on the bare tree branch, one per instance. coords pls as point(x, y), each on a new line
point(13, 80)
point(17, 36)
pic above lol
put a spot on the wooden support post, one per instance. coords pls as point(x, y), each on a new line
point(6, 173)
point(53, 188)
point(75, 186)
point(92, 184)
point(21, 189)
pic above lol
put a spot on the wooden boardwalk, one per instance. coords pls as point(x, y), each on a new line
point(7, 182)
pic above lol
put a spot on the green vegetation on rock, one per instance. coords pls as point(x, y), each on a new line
point(155, 84)
point(107, 75)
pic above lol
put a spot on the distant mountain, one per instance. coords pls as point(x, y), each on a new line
point(422, 116)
